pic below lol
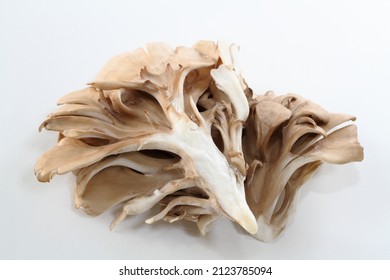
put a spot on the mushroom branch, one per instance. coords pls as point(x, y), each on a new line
point(180, 128)
point(288, 137)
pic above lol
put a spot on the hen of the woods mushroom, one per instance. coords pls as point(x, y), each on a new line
point(181, 129)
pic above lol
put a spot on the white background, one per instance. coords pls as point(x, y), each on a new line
point(336, 53)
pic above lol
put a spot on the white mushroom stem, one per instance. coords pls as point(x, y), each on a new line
point(211, 166)
point(144, 203)
point(227, 81)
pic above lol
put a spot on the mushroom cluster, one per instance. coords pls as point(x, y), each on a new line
point(181, 129)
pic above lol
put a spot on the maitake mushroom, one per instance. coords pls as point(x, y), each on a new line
point(181, 128)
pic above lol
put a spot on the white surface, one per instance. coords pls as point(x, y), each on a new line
point(335, 53)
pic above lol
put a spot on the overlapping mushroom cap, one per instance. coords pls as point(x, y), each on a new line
point(180, 128)
point(287, 138)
